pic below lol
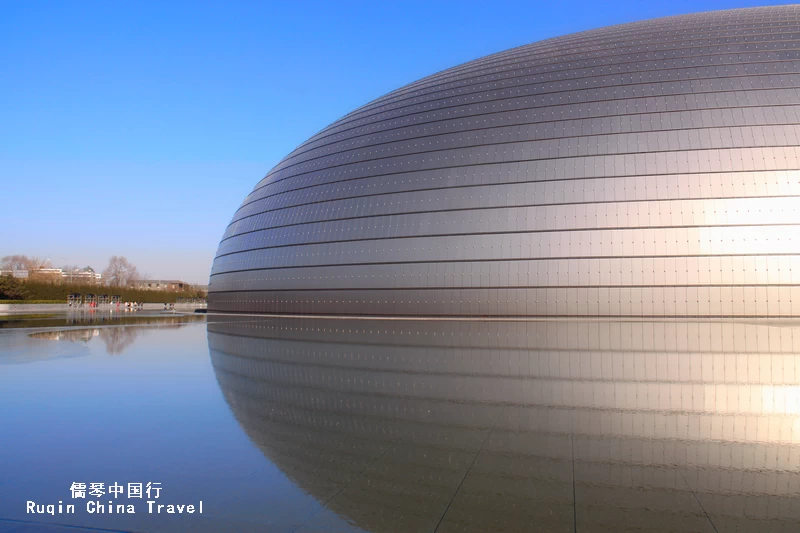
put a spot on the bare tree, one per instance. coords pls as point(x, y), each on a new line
point(23, 262)
point(13, 262)
point(119, 338)
point(38, 262)
point(120, 271)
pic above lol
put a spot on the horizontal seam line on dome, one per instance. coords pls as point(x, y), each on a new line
point(484, 70)
point(744, 91)
point(509, 232)
point(434, 373)
point(511, 377)
point(543, 139)
point(696, 110)
point(289, 404)
point(518, 287)
point(472, 348)
point(469, 348)
point(277, 315)
point(520, 206)
point(505, 259)
point(480, 349)
point(630, 72)
point(548, 92)
point(561, 158)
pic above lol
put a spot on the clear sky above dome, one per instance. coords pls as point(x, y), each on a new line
point(137, 128)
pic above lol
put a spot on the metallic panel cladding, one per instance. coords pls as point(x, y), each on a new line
point(642, 170)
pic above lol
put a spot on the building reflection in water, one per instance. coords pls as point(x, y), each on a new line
point(116, 339)
point(525, 426)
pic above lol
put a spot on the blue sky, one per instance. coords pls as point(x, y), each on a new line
point(137, 128)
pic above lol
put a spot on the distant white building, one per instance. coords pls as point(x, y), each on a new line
point(17, 273)
point(83, 275)
point(56, 275)
point(37, 274)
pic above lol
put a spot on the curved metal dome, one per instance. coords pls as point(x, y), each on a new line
point(647, 169)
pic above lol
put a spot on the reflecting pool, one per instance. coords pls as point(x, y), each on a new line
point(313, 425)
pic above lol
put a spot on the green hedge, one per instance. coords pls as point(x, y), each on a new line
point(15, 302)
point(58, 292)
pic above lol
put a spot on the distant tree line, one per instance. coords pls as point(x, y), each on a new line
point(14, 289)
point(119, 272)
point(116, 279)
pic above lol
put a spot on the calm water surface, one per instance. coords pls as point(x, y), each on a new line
point(301, 425)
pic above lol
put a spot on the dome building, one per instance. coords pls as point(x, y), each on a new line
point(642, 170)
